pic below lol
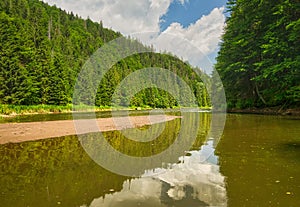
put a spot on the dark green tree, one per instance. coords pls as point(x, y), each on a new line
point(259, 56)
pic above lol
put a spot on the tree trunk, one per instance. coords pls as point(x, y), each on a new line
point(259, 95)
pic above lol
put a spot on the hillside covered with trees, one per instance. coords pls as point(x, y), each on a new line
point(259, 59)
point(43, 48)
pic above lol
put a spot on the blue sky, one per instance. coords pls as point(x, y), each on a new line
point(194, 25)
point(188, 13)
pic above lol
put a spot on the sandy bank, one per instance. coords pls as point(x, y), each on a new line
point(21, 132)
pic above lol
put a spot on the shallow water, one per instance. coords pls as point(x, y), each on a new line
point(260, 158)
point(256, 163)
point(86, 115)
point(63, 116)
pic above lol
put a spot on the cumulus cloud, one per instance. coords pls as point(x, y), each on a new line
point(126, 16)
point(193, 43)
point(140, 16)
point(183, 1)
point(205, 33)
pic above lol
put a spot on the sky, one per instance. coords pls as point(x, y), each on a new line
point(190, 29)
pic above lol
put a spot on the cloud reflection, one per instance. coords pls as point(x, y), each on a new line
point(190, 182)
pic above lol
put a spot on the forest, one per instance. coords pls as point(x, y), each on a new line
point(43, 49)
point(259, 57)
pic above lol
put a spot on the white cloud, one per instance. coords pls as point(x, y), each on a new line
point(183, 1)
point(204, 34)
point(138, 16)
point(193, 43)
point(126, 16)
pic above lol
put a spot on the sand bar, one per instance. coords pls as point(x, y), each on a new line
point(29, 131)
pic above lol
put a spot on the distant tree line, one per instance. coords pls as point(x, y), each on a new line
point(43, 48)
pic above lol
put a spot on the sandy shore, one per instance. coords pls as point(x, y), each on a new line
point(21, 132)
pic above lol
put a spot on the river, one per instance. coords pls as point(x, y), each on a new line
point(256, 162)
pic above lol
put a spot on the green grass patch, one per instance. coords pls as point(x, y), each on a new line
point(22, 109)
point(10, 110)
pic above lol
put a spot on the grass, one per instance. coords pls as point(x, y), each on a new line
point(11, 110)
point(20, 109)
point(44, 109)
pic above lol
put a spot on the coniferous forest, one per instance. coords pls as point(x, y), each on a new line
point(259, 59)
point(43, 48)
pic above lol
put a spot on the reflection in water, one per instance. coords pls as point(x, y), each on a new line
point(190, 182)
point(258, 155)
point(260, 169)
point(51, 172)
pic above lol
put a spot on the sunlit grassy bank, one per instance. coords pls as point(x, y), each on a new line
point(12, 110)
point(42, 109)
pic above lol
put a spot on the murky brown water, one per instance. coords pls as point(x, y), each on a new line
point(256, 163)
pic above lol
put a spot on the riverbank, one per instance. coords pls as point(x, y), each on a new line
point(29, 131)
point(14, 110)
point(268, 111)
point(17, 110)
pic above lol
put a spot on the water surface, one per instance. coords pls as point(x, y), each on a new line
point(260, 158)
point(256, 163)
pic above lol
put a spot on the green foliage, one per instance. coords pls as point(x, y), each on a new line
point(259, 60)
point(153, 97)
point(43, 48)
point(44, 109)
point(23, 109)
